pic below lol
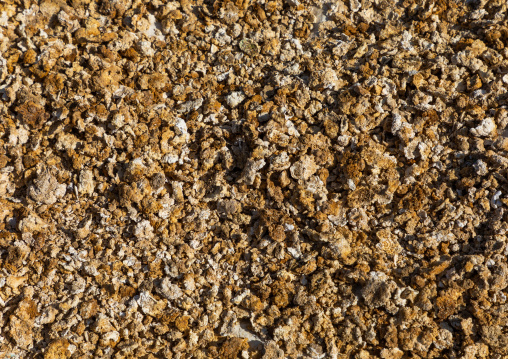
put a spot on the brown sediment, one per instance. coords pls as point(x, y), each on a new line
point(242, 179)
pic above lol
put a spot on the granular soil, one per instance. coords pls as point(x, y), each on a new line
point(253, 179)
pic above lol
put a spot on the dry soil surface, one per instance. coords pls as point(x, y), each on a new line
point(253, 179)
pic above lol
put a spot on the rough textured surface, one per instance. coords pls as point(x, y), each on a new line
point(253, 179)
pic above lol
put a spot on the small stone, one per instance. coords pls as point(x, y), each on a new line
point(143, 230)
point(169, 290)
point(228, 207)
point(32, 224)
point(135, 170)
point(182, 323)
point(30, 57)
point(6, 186)
point(57, 349)
point(378, 290)
point(249, 47)
point(46, 189)
point(303, 168)
point(181, 126)
point(272, 351)
point(232, 347)
point(149, 305)
point(481, 168)
point(86, 183)
point(21, 332)
point(342, 247)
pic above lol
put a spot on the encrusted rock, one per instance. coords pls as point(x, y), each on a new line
point(86, 183)
point(303, 168)
point(46, 189)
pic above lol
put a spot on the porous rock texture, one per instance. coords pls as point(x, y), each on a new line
point(253, 179)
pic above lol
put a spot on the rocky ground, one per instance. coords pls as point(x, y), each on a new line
point(253, 179)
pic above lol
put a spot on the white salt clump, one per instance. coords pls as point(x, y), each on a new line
point(66, 141)
point(118, 121)
point(235, 98)
point(113, 336)
point(145, 48)
point(4, 19)
point(71, 348)
point(78, 286)
point(481, 168)
point(292, 131)
point(485, 128)
point(396, 123)
point(238, 299)
point(280, 162)
point(169, 290)
point(326, 78)
point(143, 230)
point(222, 37)
point(170, 158)
point(406, 41)
point(294, 69)
point(341, 247)
point(32, 223)
point(294, 252)
point(342, 48)
point(190, 106)
point(181, 126)
point(152, 30)
point(494, 201)
point(351, 184)
point(22, 136)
